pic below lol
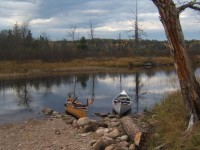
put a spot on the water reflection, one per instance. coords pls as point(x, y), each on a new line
point(23, 98)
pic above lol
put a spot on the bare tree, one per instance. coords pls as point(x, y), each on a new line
point(72, 32)
point(91, 33)
point(169, 16)
point(137, 29)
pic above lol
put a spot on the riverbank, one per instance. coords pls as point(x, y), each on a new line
point(46, 134)
point(168, 123)
point(13, 69)
point(61, 131)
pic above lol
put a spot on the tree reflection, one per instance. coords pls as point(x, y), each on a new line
point(138, 87)
point(24, 97)
point(93, 85)
point(83, 78)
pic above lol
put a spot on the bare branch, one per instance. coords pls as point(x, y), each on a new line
point(192, 5)
point(72, 32)
point(91, 33)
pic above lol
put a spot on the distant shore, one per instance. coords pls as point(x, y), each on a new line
point(26, 69)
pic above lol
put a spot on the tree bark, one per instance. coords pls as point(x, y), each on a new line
point(134, 132)
point(169, 16)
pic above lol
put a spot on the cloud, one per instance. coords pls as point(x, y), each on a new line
point(109, 18)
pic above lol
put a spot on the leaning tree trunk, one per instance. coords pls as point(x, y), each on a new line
point(169, 16)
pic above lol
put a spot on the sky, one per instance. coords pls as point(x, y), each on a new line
point(109, 18)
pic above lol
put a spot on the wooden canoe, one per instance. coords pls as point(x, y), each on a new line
point(77, 112)
point(77, 109)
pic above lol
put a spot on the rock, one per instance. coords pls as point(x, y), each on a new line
point(100, 131)
point(124, 138)
point(74, 123)
point(57, 131)
point(123, 144)
point(86, 134)
point(115, 124)
point(59, 116)
point(132, 147)
point(47, 111)
point(92, 142)
point(110, 147)
point(83, 121)
point(122, 148)
point(69, 121)
point(111, 116)
point(113, 134)
point(55, 113)
point(103, 115)
point(102, 143)
point(93, 121)
point(103, 124)
point(121, 130)
point(97, 114)
point(92, 127)
point(114, 120)
point(108, 130)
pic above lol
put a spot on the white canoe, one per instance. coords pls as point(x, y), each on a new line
point(122, 103)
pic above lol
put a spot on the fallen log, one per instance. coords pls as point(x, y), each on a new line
point(133, 130)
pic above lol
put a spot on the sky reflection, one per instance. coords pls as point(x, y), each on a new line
point(25, 98)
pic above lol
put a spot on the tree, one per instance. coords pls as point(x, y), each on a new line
point(91, 33)
point(136, 28)
point(72, 32)
point(82, 45)
point(169, 16)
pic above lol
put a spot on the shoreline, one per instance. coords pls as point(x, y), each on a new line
point(34, 68)
point(78, 70)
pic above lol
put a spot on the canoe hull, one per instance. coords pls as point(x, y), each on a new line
point(121, 108)
point(76, 112)
point(122, 103)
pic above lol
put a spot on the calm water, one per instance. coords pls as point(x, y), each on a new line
point(25, 98)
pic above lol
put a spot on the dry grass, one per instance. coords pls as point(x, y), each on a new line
point(26, 66)
point(171, 124)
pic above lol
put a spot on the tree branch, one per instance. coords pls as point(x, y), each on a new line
point(192, 5)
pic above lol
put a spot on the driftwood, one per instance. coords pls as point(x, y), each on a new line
point(133, 130)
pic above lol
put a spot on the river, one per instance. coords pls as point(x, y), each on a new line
point(21, 99)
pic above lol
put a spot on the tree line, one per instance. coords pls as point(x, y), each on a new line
point(19, 44)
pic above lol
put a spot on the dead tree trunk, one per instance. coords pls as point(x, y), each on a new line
point(132, 129)
point(169, 16)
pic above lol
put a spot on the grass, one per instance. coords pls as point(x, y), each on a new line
point(169, 125)
point(26, 66)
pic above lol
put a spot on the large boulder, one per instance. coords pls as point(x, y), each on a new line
point(113, 134)
point(92, 127)
point(83, 121)
point(102, 143)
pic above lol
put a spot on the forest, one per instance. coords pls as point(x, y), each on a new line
point(19, 44)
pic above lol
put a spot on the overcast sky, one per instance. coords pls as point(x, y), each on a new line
point(109, 18)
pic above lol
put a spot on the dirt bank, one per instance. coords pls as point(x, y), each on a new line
point(46, 134)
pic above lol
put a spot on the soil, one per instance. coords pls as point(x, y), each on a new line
point(45, 134)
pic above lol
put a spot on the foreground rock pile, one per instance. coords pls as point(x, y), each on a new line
point(107, 133)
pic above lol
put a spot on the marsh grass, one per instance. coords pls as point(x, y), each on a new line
point(26, 66)
point(171, 123)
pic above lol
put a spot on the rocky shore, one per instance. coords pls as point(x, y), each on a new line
point(62, 131)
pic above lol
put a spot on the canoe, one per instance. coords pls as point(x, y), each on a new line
point(122, 103)
point(77, 112)
point(77, 109)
